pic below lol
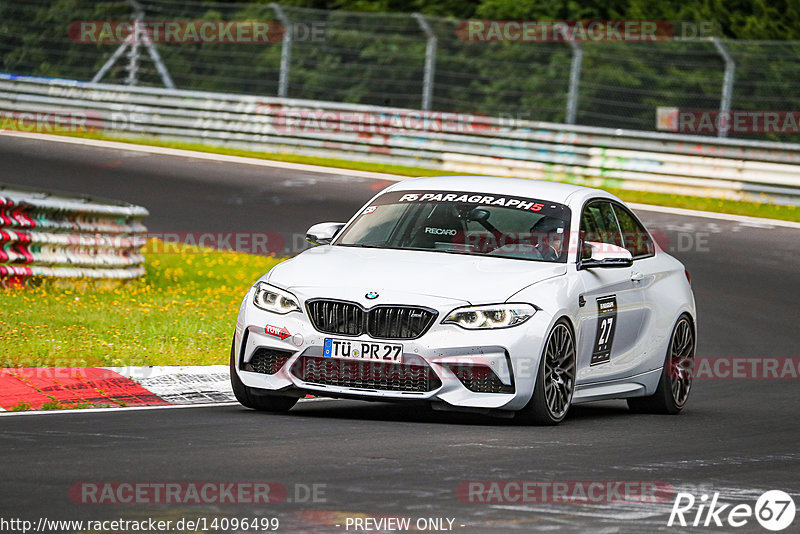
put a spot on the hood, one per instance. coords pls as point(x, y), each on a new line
point(350, 272)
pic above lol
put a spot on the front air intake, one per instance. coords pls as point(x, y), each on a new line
point(267, 361)
point(480, 379)
point(372, 375)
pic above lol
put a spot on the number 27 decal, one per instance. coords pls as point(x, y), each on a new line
point(606, 326)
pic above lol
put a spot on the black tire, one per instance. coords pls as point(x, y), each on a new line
point(555, 379)
point(675, 383)
point(262, 402)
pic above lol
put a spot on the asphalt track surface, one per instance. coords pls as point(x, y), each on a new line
point(736, 437)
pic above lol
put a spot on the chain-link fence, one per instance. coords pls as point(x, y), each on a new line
point(398, 60)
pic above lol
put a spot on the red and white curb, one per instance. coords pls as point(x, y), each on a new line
point(197, 384)
point(69, 387)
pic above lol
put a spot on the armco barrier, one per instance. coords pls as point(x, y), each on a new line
point(461, 142)
point(63, 236)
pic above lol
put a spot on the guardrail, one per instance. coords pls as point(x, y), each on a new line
point(462, 142)
point(63, 236)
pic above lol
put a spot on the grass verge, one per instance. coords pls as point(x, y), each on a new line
point(752, 209)
point(181, 313)
point(23, 406)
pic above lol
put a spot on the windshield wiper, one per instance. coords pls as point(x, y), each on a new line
point(418, 249)
point(360, 245)
point(445, 250)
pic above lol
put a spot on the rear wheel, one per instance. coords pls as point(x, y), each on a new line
point(676, 377)
point(248, 398)
point(555, 381)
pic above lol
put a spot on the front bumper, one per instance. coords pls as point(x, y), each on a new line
point(456, 361)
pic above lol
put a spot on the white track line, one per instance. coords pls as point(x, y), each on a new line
point(177, 152)
point(756, 221)
point(136, 408)
point(112, 409)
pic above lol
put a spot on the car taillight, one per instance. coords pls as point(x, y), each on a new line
point(689, 278)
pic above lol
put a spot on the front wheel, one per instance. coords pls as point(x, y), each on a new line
point(555, 380)
point(247, 398)
point(676, 377)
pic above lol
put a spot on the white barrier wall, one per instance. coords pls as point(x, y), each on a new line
point(460, 142)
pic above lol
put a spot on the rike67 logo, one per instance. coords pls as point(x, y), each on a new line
point(774, 510)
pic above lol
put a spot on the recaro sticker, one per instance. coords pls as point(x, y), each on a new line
point(606, 325)
point(440, 231)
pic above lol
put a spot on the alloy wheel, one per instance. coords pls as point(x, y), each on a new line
point(559, 370)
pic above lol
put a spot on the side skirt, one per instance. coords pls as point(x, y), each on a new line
point(635, 386)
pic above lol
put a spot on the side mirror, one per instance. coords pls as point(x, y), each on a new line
point(323, 233)
point(605, 255)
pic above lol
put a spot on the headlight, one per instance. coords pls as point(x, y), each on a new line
point(274, 300)
point(490, 316)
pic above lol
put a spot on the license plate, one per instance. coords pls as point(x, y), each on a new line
point(362, 350)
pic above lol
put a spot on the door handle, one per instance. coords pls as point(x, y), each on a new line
point(636, 276)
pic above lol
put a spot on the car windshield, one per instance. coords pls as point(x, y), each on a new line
point(454, 222)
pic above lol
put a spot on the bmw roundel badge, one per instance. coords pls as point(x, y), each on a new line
point(371, 295)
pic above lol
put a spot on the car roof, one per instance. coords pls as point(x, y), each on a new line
point(523, 187)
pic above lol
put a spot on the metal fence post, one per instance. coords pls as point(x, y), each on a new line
point(133, 52)
point(166, 79)
point(286, 49)
point(110, 62)
point(430, 61)
point(132, 45)
point(574, 81)
point(727, 81)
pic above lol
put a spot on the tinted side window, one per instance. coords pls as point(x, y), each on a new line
point(634, 235)
point(599, 224)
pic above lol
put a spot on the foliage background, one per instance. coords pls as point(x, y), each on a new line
point(373, 52)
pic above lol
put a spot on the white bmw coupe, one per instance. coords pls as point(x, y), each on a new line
point(505, 296)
